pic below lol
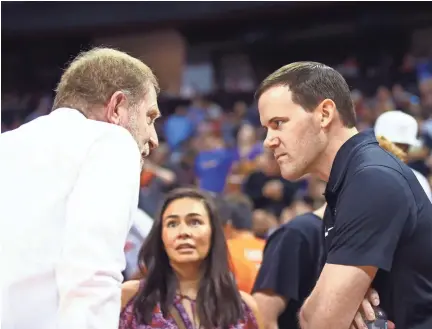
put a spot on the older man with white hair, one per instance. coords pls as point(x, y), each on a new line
point(401, 129)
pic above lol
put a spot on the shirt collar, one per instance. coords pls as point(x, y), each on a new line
point(68, 110)
point(344, 156)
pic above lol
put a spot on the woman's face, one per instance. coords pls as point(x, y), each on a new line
point(186, 231)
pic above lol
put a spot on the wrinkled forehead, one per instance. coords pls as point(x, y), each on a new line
point(151, 95)
point(150, 103)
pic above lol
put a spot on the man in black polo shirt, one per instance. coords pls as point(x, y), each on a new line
point(379, 230)
point(289, 270)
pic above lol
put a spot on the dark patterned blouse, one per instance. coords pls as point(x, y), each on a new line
point(129, 321)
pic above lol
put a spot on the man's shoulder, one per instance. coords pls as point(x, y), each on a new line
point(304, 222)
point(76, 135)
point(302, 226)
point(385, 173)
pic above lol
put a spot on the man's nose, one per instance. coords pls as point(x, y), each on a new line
point(154, 141)
point(271, 142)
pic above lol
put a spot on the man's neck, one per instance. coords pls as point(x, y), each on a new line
point(325, 163)
point(241, 234)
point(320, 211)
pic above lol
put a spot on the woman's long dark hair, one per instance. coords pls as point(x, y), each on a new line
point(218, 300)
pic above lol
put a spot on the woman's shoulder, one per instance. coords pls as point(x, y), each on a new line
point(252, 307)
point(129, 290)
point(248, 300)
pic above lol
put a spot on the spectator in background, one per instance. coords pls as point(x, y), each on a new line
point(233, 122)
point(267, 189)
point(213, 164)
point(297, 208)
point(178, 129)
point(290, 269)
point(244, 272)
point(185, 169)
point(402, 99)
point(141, 226)
point(245, 154)
point(43, 108)
point(198, 110)
point(402, 129)
point(243, 245)
point(264, 222)
point(384, 100)
point(157, 178)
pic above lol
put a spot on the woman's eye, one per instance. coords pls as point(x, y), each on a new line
point(195, 222)
point(171, 224)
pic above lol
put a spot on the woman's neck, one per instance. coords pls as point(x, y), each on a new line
point(189, 288)
point(189, 278)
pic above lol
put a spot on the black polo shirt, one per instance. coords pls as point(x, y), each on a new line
point(380, 216)
point(290, 266)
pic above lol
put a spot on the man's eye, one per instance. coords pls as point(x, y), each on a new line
point(276, 124)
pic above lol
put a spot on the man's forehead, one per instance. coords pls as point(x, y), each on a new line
point(276, 92)
point(151, 100)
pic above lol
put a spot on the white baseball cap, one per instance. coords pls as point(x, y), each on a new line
point(397, 127)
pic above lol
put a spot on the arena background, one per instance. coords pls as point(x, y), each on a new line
point(209, 57)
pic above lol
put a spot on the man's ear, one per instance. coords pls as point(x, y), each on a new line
point(327, 110)
point(116, 104)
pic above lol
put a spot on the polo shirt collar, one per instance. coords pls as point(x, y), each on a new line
point(343, 157)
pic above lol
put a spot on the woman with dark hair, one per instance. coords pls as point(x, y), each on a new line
point(188, 282)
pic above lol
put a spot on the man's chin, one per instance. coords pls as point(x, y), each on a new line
point(291, 175)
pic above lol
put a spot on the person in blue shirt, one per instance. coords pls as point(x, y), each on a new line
point(213, 164)
point(178, 128)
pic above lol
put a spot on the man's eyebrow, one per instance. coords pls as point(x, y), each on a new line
point(155, 111)
point(273, 119)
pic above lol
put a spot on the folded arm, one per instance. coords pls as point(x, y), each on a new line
point(371, 215)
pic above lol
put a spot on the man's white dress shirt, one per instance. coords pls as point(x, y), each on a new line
point(68, 188)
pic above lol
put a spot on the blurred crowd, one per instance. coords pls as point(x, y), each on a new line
point(215, 142)
point(220, 147)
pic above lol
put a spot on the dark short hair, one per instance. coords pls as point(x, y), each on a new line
point(219, 302)
point(241, 208)
point(223, 208)
point(310, 83)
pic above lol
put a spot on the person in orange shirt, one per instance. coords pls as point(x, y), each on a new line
point(245, 249)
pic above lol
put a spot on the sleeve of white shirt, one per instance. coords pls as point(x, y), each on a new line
point(98, 219)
